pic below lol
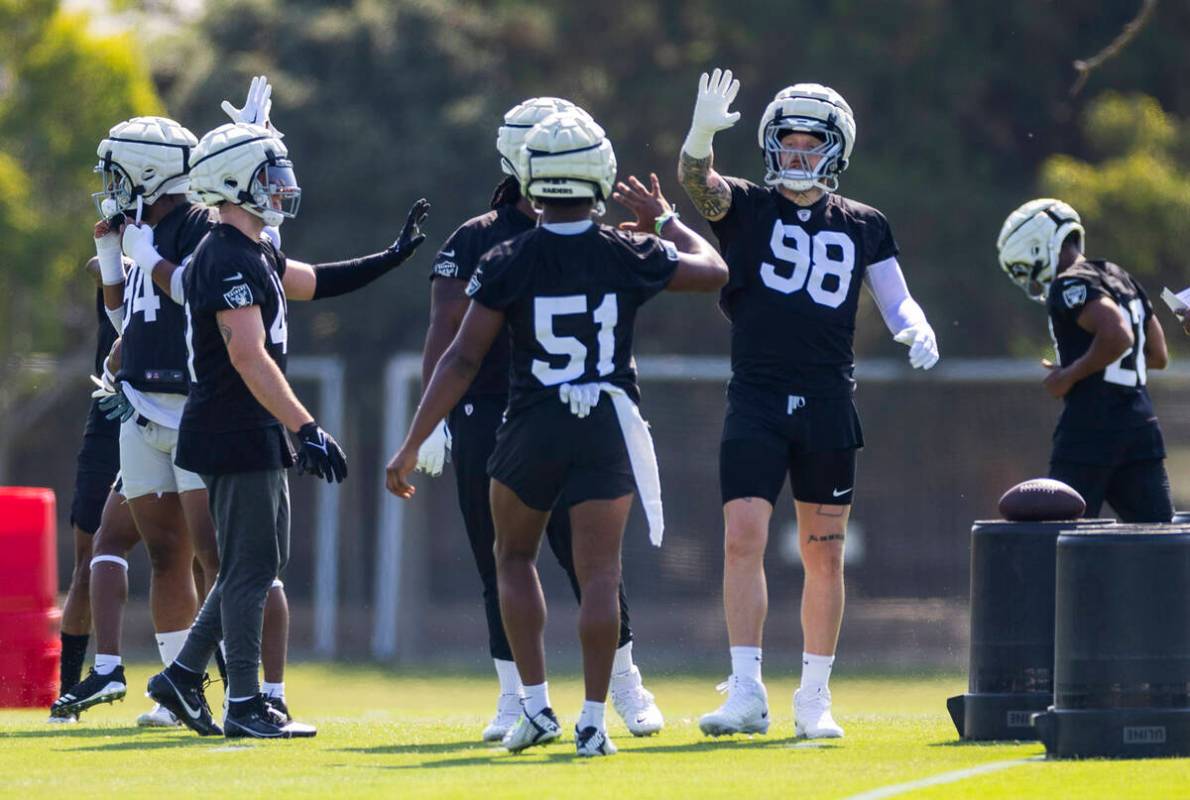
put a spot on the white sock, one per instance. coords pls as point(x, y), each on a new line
point(591, 715)
point(170, 644)
point(745, 662)
point(276, 690)
point(623, 663)
point(537, 698)
point(510, 679)
point(106, 664)
point(816, 671)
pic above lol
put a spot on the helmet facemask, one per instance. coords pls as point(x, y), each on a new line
point(794, 168)
point(118, 194)
point(273, 193)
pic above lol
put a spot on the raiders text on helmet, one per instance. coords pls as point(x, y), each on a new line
point(142, 158)
point(520, 119)
point(1030, 243)
point(567, 155)
point(809, 108)
point(246, 165)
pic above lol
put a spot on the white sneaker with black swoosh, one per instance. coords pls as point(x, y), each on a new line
point(158, 717)
point(591, 742)
point(812, 715)
point(532, 731)
point(635, 704)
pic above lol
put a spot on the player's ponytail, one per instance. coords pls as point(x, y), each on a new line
point(508, 192)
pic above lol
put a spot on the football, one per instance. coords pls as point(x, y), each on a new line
point(1040, 500)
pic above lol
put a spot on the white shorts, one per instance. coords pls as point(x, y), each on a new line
point(147, 461)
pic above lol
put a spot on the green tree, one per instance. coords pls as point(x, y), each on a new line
point(61, 88)
point(1135, 198)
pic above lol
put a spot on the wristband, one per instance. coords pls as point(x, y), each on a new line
point(664, 218)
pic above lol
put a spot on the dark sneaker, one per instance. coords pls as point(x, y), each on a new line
point(258, 719)
point(591, 742)
point(186, 700)
point(93, 690)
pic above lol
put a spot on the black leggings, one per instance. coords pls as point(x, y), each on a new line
point(473, 425)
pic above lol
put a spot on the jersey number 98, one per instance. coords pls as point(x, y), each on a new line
point(812, 261)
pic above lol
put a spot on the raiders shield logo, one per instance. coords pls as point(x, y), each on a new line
point(1074, 295)
point(239, 296)
point(468, 409)
point(804, 214)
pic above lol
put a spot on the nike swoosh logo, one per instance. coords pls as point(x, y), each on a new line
point(837, 493)
point(236, 277)
point(448, 253)
point(194, 713)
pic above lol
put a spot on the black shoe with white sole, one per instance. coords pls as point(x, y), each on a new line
point(278, 705)
point(91, 691)
point(185, 698)
point(259, 719)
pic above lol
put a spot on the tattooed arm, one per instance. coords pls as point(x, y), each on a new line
point(706, 188)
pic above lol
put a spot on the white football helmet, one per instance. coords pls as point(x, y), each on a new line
point(1030, 243)
point(246, 165)
point(140, 160)
point(809, 108)
point(520, 119)
point(567, 155)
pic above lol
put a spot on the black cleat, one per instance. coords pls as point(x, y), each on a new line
point(258, 719)
point(187, 702)
point(93, 690)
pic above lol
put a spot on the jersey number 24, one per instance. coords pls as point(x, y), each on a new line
point(812, 262)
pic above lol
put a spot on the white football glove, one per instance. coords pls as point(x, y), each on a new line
point(715, 93)
point(582, 397)
point(111, 265)
point(923, 346)
point(257, 105)
point(434, 451)
point(138, 245)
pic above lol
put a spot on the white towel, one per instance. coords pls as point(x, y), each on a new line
point(643, 458)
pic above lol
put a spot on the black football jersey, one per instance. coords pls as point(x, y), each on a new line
point(224, 429)
point(459, 258)
point(571, 303)
point(1115, 399)
point(796, 274)
point(153, 354)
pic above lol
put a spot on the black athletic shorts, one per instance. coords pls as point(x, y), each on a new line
point(768, 435)
point(1138, 491)
point(545, 452)
point(95, 472)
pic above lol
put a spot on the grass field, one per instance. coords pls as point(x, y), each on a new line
point(401, 735)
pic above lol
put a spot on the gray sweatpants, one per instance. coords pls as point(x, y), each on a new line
point(251, 514)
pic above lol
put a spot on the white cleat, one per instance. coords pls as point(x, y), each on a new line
point(812, 713)
point(634, 703)
point(531, 731)
point(62, 719)
point(591, 742)
point(508, 710)
point(746, 709)
point(159, 717)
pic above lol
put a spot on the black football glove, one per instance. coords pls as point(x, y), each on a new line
point(320, 455)
point(411, 236)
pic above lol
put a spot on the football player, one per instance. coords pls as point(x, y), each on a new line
point(798, 253)
point(1107, 445)
point(471, 435)
point(569, 290)
point(93, 505)
point(233, 425)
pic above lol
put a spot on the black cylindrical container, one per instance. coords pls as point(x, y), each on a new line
point(1122, 644)
point(1012, 628)
point(1181, 518)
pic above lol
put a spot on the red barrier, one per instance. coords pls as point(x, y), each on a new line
point(29, 622)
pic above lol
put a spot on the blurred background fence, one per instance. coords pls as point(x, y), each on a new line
point(964, 111)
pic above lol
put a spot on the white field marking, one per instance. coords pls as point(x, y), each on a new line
point(945, 777)
point(231, 748)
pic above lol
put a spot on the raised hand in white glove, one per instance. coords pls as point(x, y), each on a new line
point(138, 245)
point(257, 105)
point(582, 397)
point(923, 346)
point(434, 451)
point(715, 94)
